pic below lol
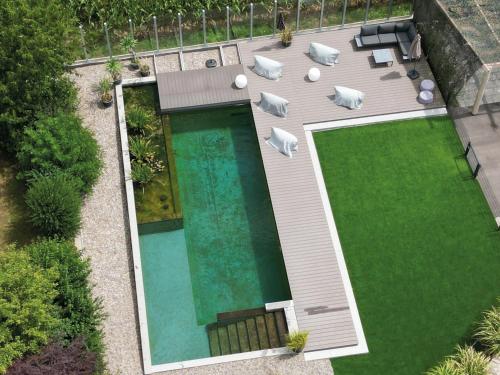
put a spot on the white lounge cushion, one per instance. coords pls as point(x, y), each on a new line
point(268, 68)
point(323, 54)
point(283, 141)
point(273, 104)
point(349, 98)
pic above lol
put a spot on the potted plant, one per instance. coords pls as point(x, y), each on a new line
point(144, 69)
point(105, 91)
point(296, 341)
point(114, 67)
point(286, 37)
point(128, 44)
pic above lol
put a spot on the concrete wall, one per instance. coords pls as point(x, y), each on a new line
point(455, 65)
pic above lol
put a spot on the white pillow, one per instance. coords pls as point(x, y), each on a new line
point(349, 98)
point(273, 104)
point(323, 54)
point(268, 68)
point(283, 141)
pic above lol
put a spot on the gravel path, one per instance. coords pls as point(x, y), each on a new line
point(197, 59)
point(104, 238)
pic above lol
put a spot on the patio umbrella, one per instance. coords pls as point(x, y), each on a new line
point(280, 25)
point(414, 53)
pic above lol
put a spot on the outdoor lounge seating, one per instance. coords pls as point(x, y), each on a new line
point(283, 141)
point(268, 68)
point(400, 33)
point(273, 104)
point(350, 98)
point(323, 54)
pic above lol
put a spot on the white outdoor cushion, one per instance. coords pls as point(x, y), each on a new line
point(323, 54)
point(268, 68)
point(283, 141)
point(349, 98)
point(273, 104)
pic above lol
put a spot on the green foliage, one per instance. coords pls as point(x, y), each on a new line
point(447, 367)
point(128, 44)
point(141, 149)
point(465, 361)
point(114, 67)
point(488, 331)
point(296, 341)
point(105, 87)
point(141, 173)
point(54, 204)
point(36, 40)
point(28, 317)
point(81, 314)
point(60, 143)
point(139, 120)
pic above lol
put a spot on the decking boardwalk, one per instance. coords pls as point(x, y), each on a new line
point(190, 89)
point(314, 275)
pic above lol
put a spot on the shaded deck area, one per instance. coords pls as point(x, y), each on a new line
point(318, 289)
point(184, 90)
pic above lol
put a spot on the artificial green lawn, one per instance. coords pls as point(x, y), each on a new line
point(420, 242)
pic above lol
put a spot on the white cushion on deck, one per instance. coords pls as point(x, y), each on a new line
point(323, 54)
point(273, 104)
point(283, 141)
point(268, 68)
point(349, 98)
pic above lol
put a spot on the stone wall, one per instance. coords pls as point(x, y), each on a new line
point(457, 68)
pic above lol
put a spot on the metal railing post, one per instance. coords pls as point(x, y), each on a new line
point(227, 23)
point(275, 17)
point(82, 38)
point(131, 27)
point(344, 12)
point(367, 10)
point(251, 21)
point(298, 15)
point(155, 26)
point(321, 14)
point(389, 13)
point(204, 27)
point(110, 51)
point(179, 19)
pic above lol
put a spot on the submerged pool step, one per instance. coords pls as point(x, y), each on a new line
point(243, 334)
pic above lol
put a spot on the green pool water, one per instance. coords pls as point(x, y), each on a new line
point(227, 255)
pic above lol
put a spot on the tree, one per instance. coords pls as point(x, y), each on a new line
point(27, 314)
point(54, 204)
point(37, 38)
point(60, 143)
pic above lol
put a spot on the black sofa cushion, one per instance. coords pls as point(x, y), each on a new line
point(387, 38)
point(367, 30)
point(402, 37)
point(402, 27)
point(386, 28)
point(370, 40)
point(404, 47)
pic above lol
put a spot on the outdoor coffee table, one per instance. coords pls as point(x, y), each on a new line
point(382, 56)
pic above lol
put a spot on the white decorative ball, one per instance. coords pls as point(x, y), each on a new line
point(241, 81)
point(314, 74)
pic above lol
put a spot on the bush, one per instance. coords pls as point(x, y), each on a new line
point(296, 341)
point(447, 367)
point(466, 361)
point(60, 143)
point(138, 120)
point(54, 204)
point(81, 314)
point(27, 314)
point(488, 331)
point(57, 359)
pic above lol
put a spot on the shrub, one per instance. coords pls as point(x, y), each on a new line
point(488, 331)
point(54, 204)
point(141, 149)
point(57, 359)
point(447, 367)
point(138, 120)
point(60, 143)
point(466, 361)
point(296, 341)
point(27, 314)
point(81, 314)
point(141, 174)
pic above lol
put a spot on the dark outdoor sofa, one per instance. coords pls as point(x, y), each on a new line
point(400, 33)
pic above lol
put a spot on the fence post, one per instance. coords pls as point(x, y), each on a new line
point(155, 26)
point(204, 28)
point(343, 13)
point(321, 14)
point(131, 27)
point(82, 38)
point(389, 14)
point(227, 23)
point(179, 19)
point(298, 15)
point(275, 17)
point(251, 21)
point(110, 52)
point(367, 10)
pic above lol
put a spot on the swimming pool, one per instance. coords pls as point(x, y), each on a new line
point(226, 254)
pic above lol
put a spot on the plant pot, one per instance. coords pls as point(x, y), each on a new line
point(145, 73)
point(286, 44)
point(298, 350)
point(117, 79)
point(107, 102)
point(134, 65)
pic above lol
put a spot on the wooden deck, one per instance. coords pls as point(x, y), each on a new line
point(314, 276)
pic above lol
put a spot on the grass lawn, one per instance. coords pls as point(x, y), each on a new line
point(420, 243)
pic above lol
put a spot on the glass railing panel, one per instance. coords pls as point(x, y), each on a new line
point(332, 13)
